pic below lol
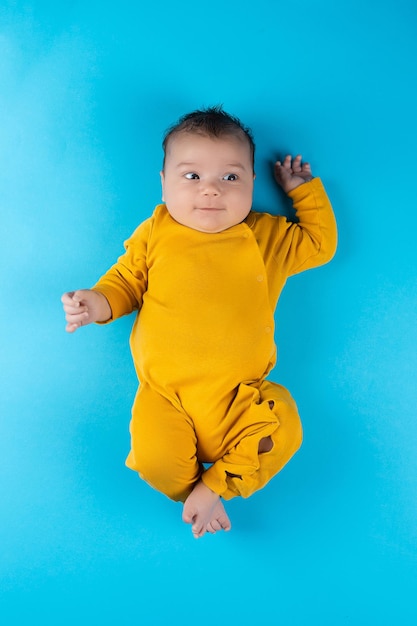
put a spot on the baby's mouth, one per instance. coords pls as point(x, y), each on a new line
point(209, 208)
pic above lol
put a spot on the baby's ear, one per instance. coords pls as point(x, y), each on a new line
point(162, 183)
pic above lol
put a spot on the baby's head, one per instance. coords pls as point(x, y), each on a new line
point(212, 122)
point(208, 170)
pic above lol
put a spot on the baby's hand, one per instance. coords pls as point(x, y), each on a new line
point(292, 173)
point(84, 307)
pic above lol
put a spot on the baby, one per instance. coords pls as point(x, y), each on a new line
point(204, 273)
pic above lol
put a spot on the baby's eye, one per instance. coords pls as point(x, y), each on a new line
point(231, 177)
point(191, 176)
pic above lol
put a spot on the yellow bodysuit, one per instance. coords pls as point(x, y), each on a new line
point(203, 343)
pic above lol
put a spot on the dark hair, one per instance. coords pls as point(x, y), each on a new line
point(212, 122)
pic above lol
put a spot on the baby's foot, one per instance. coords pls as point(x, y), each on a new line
point(201, 508)
point(220, 519)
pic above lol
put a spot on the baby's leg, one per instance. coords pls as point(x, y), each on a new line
point(255, 458)
point(163, 445)
point(205, 511)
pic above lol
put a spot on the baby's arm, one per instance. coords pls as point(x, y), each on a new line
point(292, 173)
point(311, 240)
point(83, 307)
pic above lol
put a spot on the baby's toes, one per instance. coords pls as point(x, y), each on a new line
point(213, 526)
point(224, 522)
point(198, 529)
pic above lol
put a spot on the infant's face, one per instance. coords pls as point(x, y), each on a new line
point(207, 182)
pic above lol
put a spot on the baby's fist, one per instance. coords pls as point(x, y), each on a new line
point(76, 308)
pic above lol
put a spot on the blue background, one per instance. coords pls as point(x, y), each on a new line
point(86, 91)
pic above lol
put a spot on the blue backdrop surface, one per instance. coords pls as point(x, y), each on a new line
point(86, 90)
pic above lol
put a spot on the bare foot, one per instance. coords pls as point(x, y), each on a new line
point(203, 508)
point(220, 519)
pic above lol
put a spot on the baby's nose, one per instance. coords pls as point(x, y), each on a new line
point(211, 188)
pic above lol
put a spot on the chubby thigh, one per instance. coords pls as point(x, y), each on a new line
point(163, 445)
point(244, 415)
point(253, 470)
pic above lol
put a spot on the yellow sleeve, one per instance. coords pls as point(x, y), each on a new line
point(126, 281)
point(312, 240)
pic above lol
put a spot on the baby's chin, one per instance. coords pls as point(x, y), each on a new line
point(207, 222)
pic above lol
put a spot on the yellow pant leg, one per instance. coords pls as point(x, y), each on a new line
point(242, 470)
point(163, 445)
